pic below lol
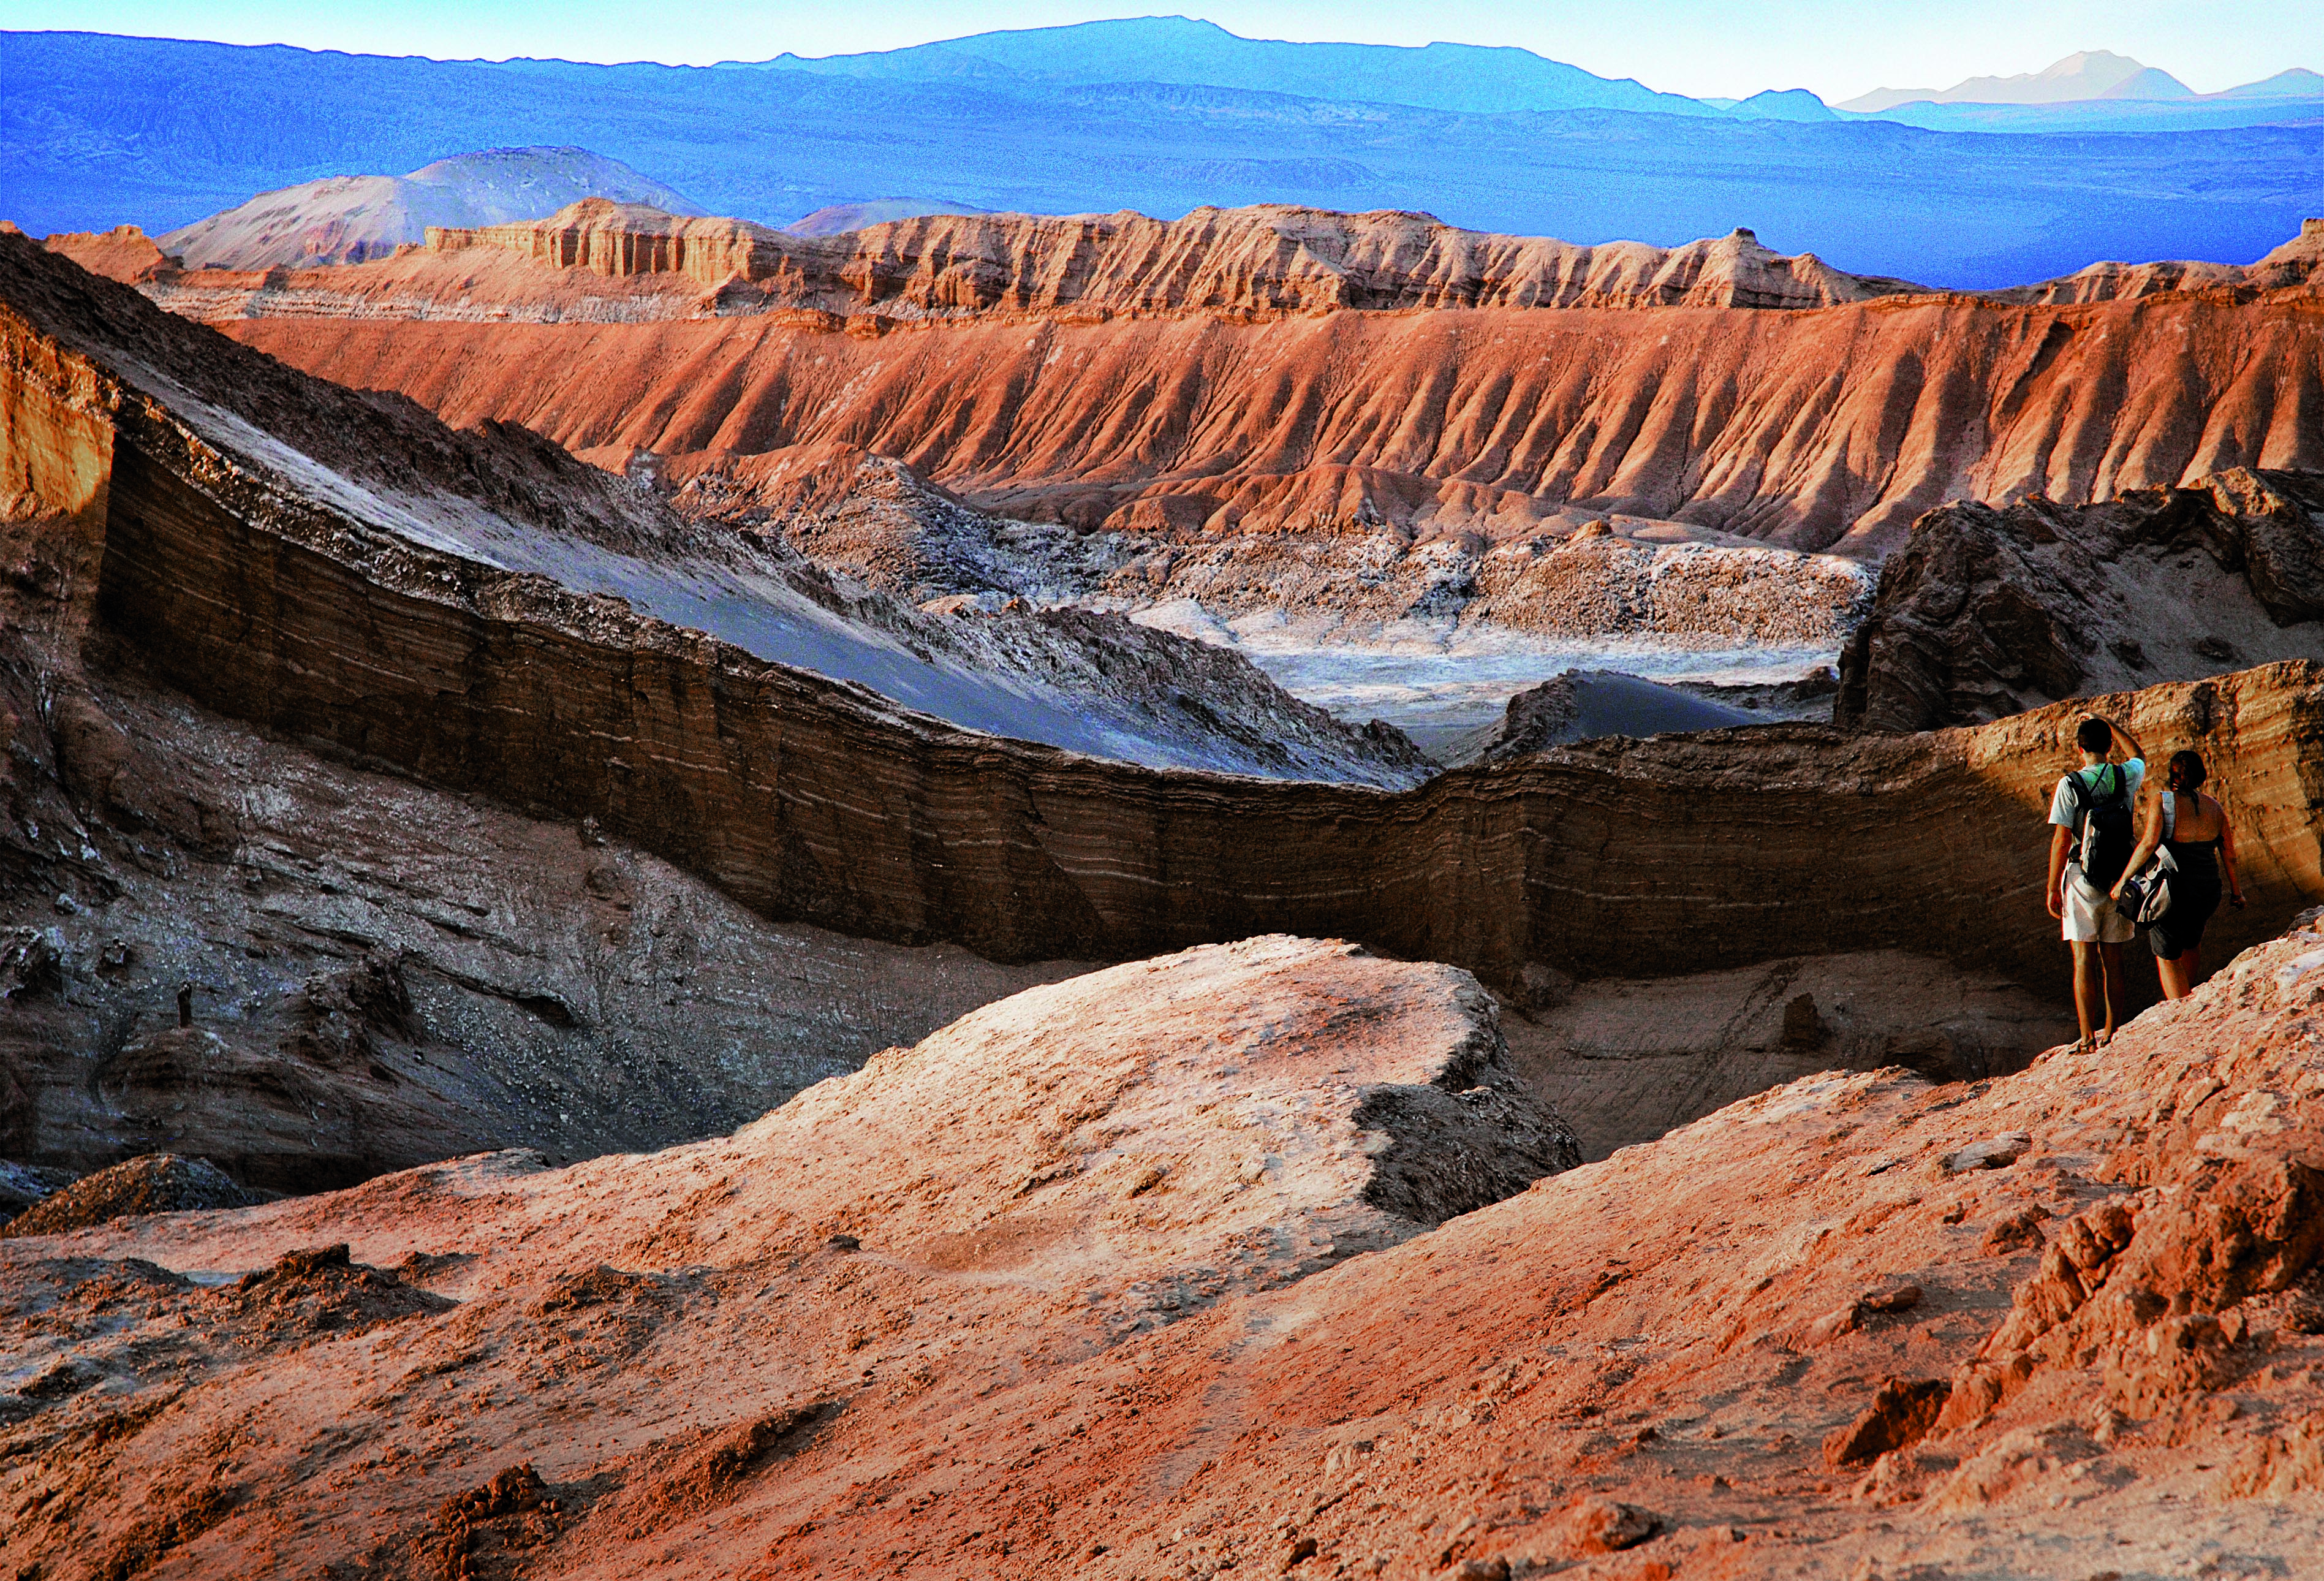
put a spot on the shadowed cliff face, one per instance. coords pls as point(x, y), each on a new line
point(377, 973)
point(1835, 427)
point(1986, 612)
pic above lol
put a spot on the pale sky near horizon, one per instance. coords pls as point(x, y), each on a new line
point(1837, 48)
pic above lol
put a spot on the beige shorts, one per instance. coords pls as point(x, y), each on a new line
point(2091, 914)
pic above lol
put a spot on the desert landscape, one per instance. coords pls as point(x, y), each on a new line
point(746, 867)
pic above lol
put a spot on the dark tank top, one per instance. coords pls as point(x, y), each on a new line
point(2198, 860)
point(2194, 889)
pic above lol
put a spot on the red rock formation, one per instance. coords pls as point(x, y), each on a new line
point(1810, 429)
point(1827, 428)
point(125, 252)
point(601, 261)
point(1102, 1320)
point(601, 237)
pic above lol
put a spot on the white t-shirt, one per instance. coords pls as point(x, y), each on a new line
point(2094, 782)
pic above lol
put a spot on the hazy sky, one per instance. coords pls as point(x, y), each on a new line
point(1838, 48)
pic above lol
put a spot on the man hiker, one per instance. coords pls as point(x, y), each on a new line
point(2090, 841)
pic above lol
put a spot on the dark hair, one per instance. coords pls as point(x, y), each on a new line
point(2094, 734)
point(2186, 774)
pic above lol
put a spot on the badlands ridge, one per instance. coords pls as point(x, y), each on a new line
point(1214, 375)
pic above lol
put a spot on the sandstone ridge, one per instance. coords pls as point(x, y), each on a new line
point(1209, 368)
point(1270, 258)
point(599, 260)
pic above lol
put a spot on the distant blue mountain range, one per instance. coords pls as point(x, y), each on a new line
point(1188, 53)
point(95, 129)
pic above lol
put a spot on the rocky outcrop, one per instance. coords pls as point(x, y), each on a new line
point(1986, 612)
point(153, 1183)
point(1095, 1281)
point(601, 237)
point(1585, 704)
point(1272, 258)
point(1811, 431)
point(125, 252)
point(2298, 265)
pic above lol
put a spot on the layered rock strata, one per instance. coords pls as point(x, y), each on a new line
point(2197, 369)
point(1267, 260)
point(1986, 612)
point(821, 802)
point(378, 973)
point(1103, 1319)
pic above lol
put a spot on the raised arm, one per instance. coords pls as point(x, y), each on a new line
point(2146, 844)
point(2123, 738)
point(2228, 856)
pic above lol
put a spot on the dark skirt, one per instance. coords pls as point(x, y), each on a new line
point(2194, 897)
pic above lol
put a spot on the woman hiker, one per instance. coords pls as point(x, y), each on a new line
point(2194, 828)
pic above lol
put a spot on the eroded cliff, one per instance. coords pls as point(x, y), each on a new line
point(1986, 612)
point(599, 261)
point(1835, 427)
point(1266, 400)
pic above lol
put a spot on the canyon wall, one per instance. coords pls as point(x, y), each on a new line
point(1833, 428)
point(1043, 386)
point(818, 802)
point(265, 594)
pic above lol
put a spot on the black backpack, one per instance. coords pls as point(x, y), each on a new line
point(2103, 833)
